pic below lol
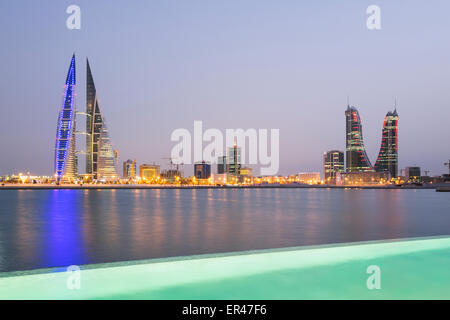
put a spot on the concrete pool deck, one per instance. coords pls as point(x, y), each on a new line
point(409, 269)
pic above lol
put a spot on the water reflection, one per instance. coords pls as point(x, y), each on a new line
point(58, 228)
point(63, 244)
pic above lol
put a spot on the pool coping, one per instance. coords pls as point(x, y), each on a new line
point(92, 266)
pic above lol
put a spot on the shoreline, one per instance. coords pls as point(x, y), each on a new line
point(150, 186)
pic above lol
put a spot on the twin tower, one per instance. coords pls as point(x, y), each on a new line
point(100, 156)
point(357, 159)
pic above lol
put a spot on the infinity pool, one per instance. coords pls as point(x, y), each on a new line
point(409, 269)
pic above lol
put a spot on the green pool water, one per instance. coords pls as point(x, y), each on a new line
point(409, 269)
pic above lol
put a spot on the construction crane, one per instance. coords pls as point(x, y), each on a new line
point(447, 164)
point(178, 165)
point(170, 162)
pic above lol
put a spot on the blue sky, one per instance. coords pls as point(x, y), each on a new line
point(160, 65)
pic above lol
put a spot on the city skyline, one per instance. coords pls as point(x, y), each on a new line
point(151, 89)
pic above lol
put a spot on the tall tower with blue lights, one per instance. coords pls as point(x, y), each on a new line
point(65, 165)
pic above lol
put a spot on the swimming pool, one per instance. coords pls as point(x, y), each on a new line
point(408, 269)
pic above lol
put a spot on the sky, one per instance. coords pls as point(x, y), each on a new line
point(160, 65)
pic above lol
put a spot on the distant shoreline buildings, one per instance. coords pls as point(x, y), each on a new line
point(358, 168)
point(352, 167)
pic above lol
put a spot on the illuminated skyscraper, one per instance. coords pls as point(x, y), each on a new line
point(222, 165)
point(234, 160)
point(388, 156)
point(333, 162)
point(100, 160)
point(357, 159)
point(106, 157)
point(65, 158)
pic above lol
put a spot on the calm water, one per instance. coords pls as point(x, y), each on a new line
point(49, 228)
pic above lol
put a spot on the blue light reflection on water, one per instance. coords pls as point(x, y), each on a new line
point(63, 241)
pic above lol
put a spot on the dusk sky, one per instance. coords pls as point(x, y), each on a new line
point(159, 65)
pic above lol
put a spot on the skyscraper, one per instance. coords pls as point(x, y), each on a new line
point(357, 159)
point(100, 160)
point(106, 157)
point(65, 158)
point(388, 157)
point(222, 165)
point(234, 160)
point(333, 162)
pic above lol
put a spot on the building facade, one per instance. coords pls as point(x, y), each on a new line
point(388, 156)
point(99, 151)
point(246, 172)
point(412, 173)
point(356, 156)
point(219, 178)
point(333, 162)
point(222, 165)
point(202, 170)
point(149, 172)
point(65, 165)
point(308, 177)
point(362, 178)
point(129, 169)
point(234, 160)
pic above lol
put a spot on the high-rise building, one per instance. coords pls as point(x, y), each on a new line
point(65, 165)
point(356, 156)
point(234, 160)
point(106, 158)
point(388, 157)
point(333, 162)
point(202, 170)
point(129, 169)
point(100, 160)
point(222, 165)
point(149, 171)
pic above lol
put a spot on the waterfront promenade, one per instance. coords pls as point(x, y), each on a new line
point(188, 186)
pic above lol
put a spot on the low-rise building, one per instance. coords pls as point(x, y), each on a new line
point(412, 173)
point(362, 178)
point(308, 177)
point(202, 170)
point(149, 172)
point(219, 178)
point(129, 169)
